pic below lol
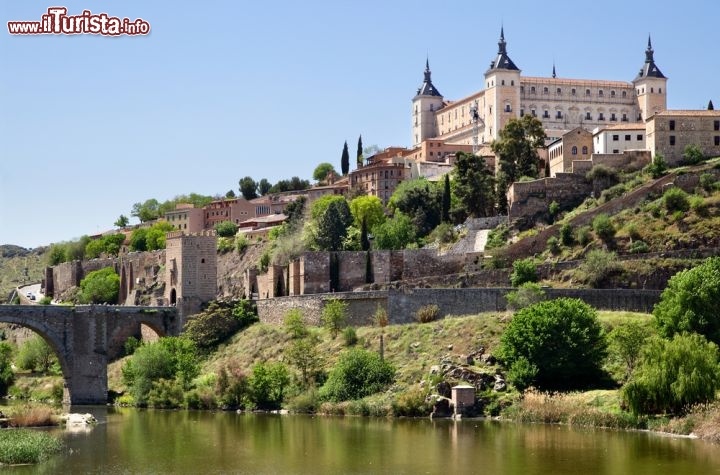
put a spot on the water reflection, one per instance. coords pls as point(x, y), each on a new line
point(145, 441)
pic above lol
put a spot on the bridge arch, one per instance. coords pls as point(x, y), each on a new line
point(52, 339)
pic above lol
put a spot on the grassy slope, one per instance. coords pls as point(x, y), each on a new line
point(12, 268)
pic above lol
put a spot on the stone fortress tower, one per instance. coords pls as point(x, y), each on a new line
point(191, 268)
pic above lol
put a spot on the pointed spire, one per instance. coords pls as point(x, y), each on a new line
point(554, 75)
point(711, 107)
point(502, 60)
point(427, 88)
point(501, 44)
point(650, 69)
point(649, 51)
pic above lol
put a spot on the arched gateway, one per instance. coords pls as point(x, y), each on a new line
point(85, 337)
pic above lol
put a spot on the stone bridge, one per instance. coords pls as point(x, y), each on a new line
point(86, 337)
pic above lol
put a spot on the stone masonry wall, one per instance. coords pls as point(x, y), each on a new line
point(402, 305)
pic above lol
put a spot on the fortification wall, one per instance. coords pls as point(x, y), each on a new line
point(361, 307)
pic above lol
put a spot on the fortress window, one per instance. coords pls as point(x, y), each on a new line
point(502, 83)
point(522, 112)
point(587, 92)
point(624, 118)
point(600, 93)
point(612, 93)
point(572, 91)
point(616, 138)
point(507, 108)
point(716, 125)
point(512, 82)
point(652, 89)
point(624, 94)
point(717, 140)
point(628, 137)
point(616, 150)
point(601, 116)
point(659, 90)
point(672, 125)
point(522, 89)
point(585, 150)
point(639, 136)
point(558, 91)
point(612, 117)
point(558, 115)
point(545, 90)
point(588, 116)
point(534, 114)
point(532, 90)
point(574, 150)
point(546, 115)
point(672, 140)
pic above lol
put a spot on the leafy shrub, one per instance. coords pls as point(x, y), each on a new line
point(692, 155)
point(613, 192)
point(658, 166)
point(566, 235)
point(708, 182)
point(225, 244)
point(334, 315)
point(219, 321)
point(675, 199)
point(583, 236)
point(358, 373)
point(522, 374)
point(268, 384)
point(638, 247)
point(294, 324)
point(306, 402)
point(553, 210)
point(673, 375)
point(598, 265)
point(411, 403)
point(241, 243)
point(100, 286)
point(524, 270)
point(632, 231)
point(698, 205)
point(380, 317)
point(232, 387)
point(553, 245)
point(131, 344)
point(427, 313)
point(527, 294)
point(304, 356)
point(264, 261)
point(7, 376)
point(562, 339)
point(45, 300)
point(691, 302)
point(498, 237)
point(165, 394)
point(444, 233)
point(603, 172)
point(603, 227)
point(226, 229)
point(350, 336)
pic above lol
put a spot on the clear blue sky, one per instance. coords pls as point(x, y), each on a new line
point(219, 90)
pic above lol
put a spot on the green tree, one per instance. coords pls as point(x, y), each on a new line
point(332, 226)
point(268, 383)
point(421, 201)
point(334, 315)
point(394, 234)
point(603, 227)
point(146, 211)
point(304, 356)
point(7, 377)
point(248, 188)
point(474, 185)
point(35, 355)
point(691, 302)
point(693, 154)
point(56, 254)
point(364, 238)
point(446, 200)
point(138, 239)
point(358, 373)
point(524, 270)
point(675, 199)
point(561, 341)
point(230, 194)
point(226, 229)
point(218, 322)
point(156, 235)
point(359, 155)
point(345, 160)
point(293, 184)
point(264, 186)
point(658, 166)
point(322, 170)
point(368, 208)
point(295, 324)
point(100, 286)
point(626, 343)
point(122, 221)
point(673, 375)
point(516, 150)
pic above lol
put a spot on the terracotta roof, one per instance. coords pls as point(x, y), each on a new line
point(578, 82)
point(635, 126)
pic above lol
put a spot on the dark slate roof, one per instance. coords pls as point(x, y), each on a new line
point(649, 69)
point(427, 88)
point(502, 60)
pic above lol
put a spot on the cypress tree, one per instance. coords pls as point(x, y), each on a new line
point(446, 200)
point(364, 241)
point(345, 160)
point(711, 107)
point(359, 152)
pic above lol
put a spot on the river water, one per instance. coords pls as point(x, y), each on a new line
point(129, 441)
